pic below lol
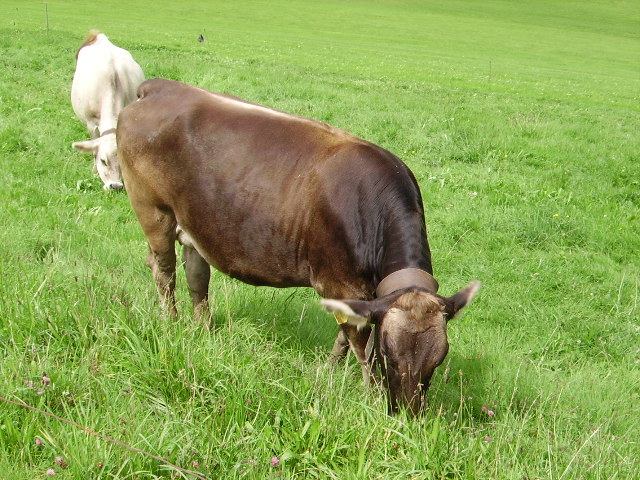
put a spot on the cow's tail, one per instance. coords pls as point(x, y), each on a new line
point(144, 89)
point(90, 40)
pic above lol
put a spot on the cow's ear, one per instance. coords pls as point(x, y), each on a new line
point(360, 312)
point(353, 312)
point(88, 146)
point(457, 302)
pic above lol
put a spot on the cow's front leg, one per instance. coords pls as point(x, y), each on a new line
point(340, 347)
point(198, 274)
point(358, 339)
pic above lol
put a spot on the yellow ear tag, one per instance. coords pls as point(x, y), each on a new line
point(341, 317)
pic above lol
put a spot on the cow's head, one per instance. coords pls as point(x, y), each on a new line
point(105, 152)
point(410, 337)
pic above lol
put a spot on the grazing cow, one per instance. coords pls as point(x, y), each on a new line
point(275, 199)
point(105, 81)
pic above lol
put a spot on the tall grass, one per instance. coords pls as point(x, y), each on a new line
point(520, 121)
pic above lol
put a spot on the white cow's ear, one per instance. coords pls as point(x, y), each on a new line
point(88, 146)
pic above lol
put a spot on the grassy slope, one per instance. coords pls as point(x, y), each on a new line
point(520, 121)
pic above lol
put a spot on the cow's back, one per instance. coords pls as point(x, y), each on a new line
point(105, 81)
point(267, 197)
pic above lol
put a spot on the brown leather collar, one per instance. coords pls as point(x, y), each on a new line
point(108, 131)
point(407, 277)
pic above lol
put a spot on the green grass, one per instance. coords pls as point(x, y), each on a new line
point(520, 121)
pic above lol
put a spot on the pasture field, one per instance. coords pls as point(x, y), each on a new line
point(521, 121)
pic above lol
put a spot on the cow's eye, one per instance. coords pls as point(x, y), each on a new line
point(103, 161)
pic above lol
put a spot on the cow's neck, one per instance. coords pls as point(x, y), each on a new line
point(109, 117)
point(406, 261)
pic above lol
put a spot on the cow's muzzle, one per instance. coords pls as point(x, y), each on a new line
point(114, 186)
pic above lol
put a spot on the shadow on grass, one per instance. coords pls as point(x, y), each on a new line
point(480, 389)
point(290, 316)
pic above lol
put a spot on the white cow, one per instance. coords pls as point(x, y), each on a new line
point(105, 81)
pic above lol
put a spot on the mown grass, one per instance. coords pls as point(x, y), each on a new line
point(520, 121)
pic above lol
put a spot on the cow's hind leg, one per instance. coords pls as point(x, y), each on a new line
point(160, 228)
point(198, 274)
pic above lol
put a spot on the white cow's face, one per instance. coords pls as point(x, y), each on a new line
point(105, 151)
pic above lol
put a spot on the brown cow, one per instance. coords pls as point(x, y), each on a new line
point(275, 199)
